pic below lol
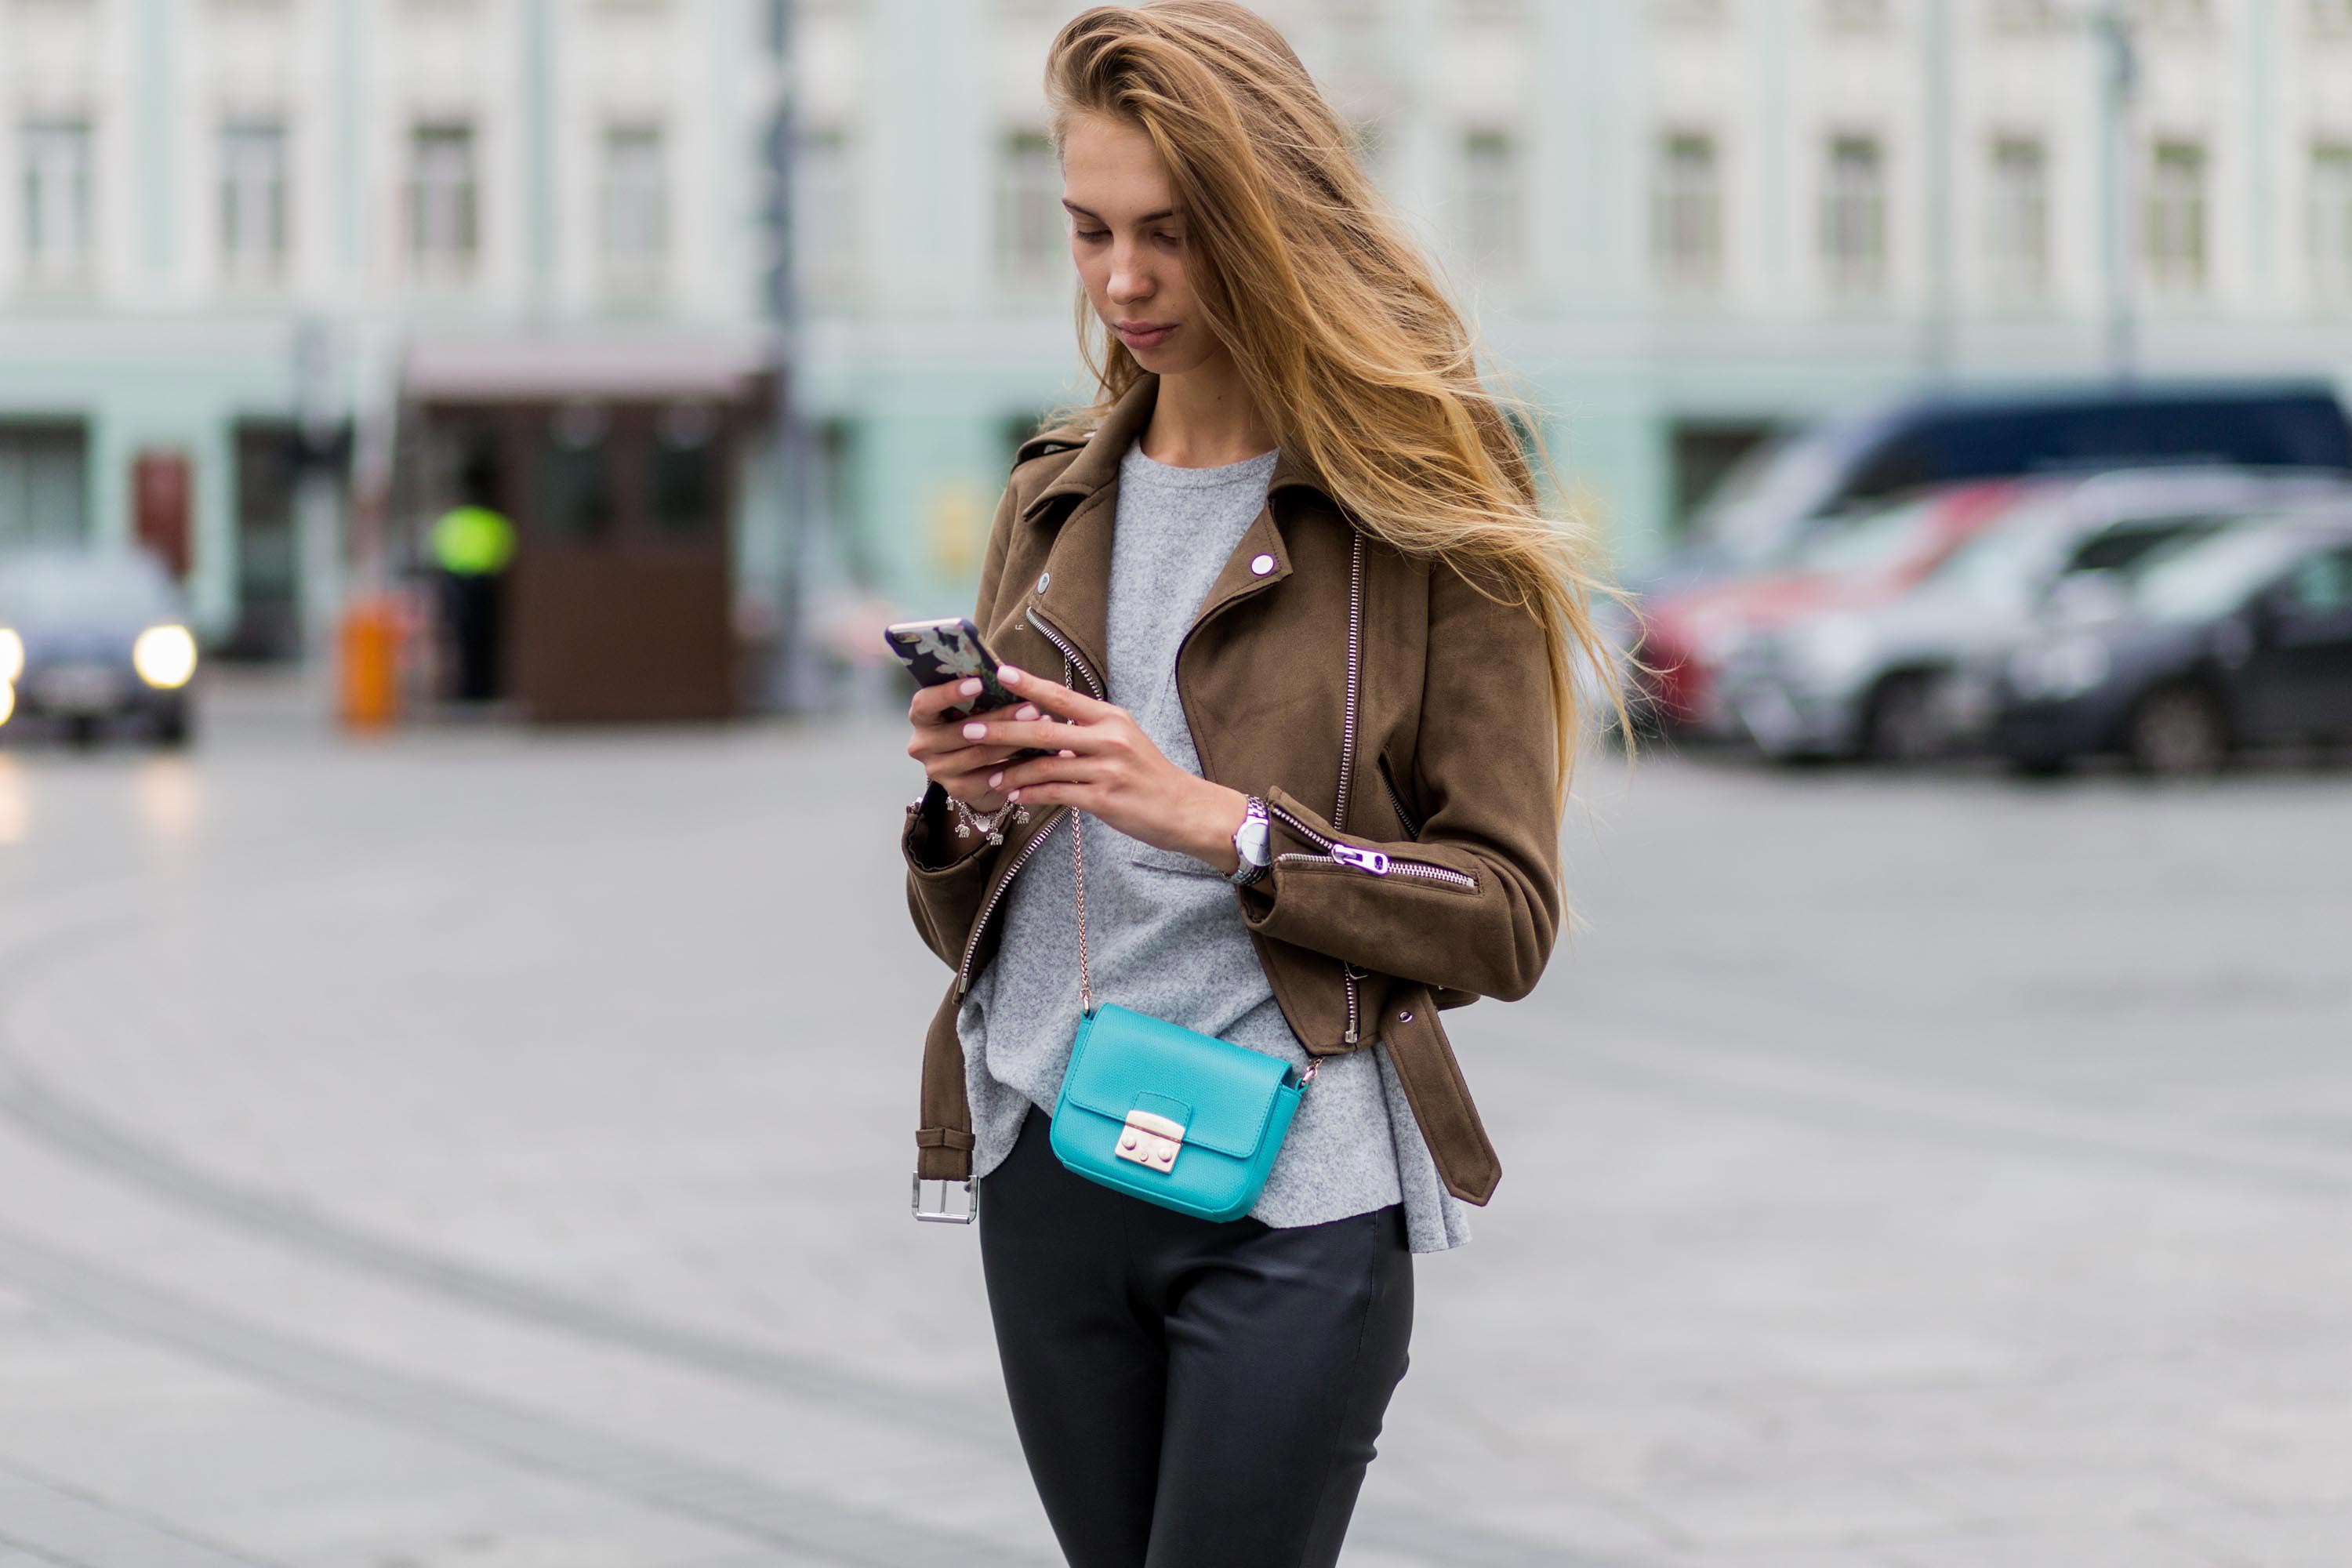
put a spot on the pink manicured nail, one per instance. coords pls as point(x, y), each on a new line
point(1007, 674)
point(994, 780)
point(1027, 711)
point(970, 689)
point(975, 731)
point(1012, 794)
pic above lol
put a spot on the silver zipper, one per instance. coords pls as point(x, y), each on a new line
point(1373, 861)
point(1068, 651)
point(972, 943)
point(1070, 660)
point(1355, 668)
point(1396, 802)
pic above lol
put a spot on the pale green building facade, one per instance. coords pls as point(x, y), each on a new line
point(1676, 222)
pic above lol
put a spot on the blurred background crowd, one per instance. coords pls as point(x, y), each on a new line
point(1920, 359)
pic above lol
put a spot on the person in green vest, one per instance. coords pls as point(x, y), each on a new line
point(473, 545)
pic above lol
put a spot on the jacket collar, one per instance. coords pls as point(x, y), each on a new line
point(1074, 592)
point(1097, 465)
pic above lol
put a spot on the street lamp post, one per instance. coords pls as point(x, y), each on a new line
point(2113, 32)
point(795, 443)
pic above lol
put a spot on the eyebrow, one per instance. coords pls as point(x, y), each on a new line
point(1146, 218)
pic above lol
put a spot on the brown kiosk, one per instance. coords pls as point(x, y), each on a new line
point(617, 460)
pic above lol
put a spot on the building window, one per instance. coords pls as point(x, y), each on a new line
point(2016, 213)
point(444, 203)
point(57, 200)
point(1493, 213)
point(2331, 220)
point(253, 201)
point(824, 213)
point(1687, 214)
point(2176, 218)
point(1855, 15)
point(1030, 228)
point(635, 210)
point(44, 484)
point(1694, 13)
point(1853, 217)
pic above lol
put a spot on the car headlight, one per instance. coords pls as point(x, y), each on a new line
point(164, 657)
point(2059, 669)
point(12, 655)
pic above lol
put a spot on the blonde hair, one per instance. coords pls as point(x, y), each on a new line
point(1334, 317)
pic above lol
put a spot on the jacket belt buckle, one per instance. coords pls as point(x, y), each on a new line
point(936, 1200)
point(1151, 1141)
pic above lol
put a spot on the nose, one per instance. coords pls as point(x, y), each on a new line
point(1129, 280)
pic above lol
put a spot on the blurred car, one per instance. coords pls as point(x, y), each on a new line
point(1888, 682)
point(91, 637)
point(1795, 484)
point(2240, 639)
point(1688, 638)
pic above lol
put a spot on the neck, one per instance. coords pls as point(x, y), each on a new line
point(1205, 419)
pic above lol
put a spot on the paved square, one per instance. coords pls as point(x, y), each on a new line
point(481, 1149)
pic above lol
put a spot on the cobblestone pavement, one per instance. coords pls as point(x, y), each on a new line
point(481, 1149)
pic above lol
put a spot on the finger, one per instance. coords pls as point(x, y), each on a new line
point(1067, 792)
point(1054, 697)
point(942, 740)
point(1045, 770)
point(931, 702)
point(971, 762)
point(1043, 733)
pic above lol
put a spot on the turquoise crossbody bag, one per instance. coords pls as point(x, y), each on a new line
point(1164, 1113)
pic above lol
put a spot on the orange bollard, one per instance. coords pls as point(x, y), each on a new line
point(369, 668)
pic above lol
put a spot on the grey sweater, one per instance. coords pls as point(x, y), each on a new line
point(1164, 930)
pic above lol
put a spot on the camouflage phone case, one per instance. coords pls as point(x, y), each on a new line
point(935, 652)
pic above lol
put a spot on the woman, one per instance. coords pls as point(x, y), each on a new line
point(1297, 650)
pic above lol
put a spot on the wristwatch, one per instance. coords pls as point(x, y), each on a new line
point(1251, 847)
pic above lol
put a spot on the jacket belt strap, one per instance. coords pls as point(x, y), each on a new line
point(1424, 1063)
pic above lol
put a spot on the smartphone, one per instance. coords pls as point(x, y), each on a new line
point(936, 652)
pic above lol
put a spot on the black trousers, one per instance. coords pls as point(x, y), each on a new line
point(1190, 1394)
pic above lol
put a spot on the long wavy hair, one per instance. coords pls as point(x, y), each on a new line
point(1336, 319)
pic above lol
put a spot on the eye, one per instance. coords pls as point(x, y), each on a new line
point(1092, 233)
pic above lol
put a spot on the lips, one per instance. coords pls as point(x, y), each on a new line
point(1144, 334)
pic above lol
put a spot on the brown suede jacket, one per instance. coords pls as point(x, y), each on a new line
point(1415, 832)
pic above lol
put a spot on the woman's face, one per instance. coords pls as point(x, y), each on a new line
point(1128, 243)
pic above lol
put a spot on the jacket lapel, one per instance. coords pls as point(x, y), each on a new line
point(1074, 591)
point(1076, 594)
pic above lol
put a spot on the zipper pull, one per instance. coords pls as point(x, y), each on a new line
point(1370, 860)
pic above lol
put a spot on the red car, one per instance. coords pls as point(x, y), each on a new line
point(1865, 559)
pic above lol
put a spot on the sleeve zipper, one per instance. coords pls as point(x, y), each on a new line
point(1377, 863)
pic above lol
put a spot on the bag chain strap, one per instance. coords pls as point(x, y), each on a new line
point(1078, 861)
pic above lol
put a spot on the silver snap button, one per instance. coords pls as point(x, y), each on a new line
point(1405, 1017)
point(1043, 578)
point(1261, 564)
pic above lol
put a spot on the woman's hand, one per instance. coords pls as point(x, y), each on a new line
point(1106, 765)
point(955, 764)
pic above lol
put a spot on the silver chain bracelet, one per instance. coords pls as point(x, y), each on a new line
point(991, 823)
